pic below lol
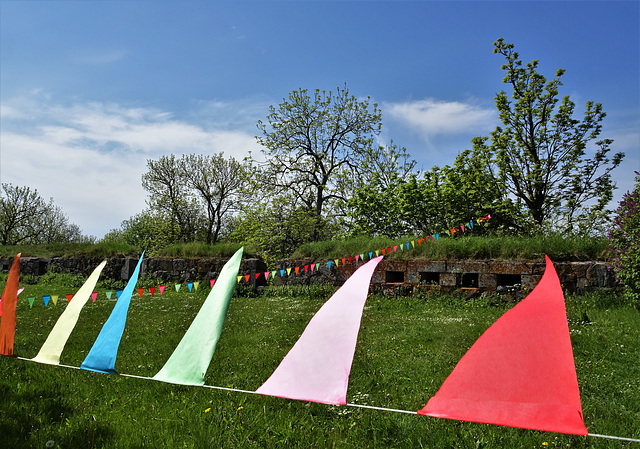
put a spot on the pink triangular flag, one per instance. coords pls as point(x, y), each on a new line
point(94, 296)
point(212, 281)
point(161, 289)
point(357, 257)
point(266, 275)
point(520, 372)
point(317, 367)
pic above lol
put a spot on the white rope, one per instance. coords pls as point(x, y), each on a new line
point(370, 407)
point(633, 440)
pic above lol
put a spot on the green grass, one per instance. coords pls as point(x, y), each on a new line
point(557, 247)
point(406, 348)
point(468, 246)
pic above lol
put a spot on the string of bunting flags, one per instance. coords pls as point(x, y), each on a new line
point(295, 270)
point(404, 246)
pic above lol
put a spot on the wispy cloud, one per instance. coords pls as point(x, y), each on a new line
point(90, 157)
point(430, 118)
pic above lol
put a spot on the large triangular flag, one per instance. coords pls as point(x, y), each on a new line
point(317, 367)
point(9, 303)
point(190, 360)
point(520, 372)
point(103, 353)
point(52, 348)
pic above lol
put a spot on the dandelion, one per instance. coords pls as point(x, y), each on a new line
point(240, 408)
point(545, 443)
point(207, 410)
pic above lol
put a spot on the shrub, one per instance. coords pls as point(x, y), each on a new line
point(625, 244)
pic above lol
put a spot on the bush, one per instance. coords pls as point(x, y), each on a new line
point(625, 244)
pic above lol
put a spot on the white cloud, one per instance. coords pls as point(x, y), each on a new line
point(90, 157)
point(431, 118)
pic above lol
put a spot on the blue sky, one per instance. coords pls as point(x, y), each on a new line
point(90, 90)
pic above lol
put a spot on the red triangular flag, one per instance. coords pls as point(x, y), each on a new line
point(152, 290)
point(69, 297)
point(306, 268)
point(520, 372)
point(257, 275)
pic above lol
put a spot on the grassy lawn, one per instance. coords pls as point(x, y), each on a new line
point(406, 348)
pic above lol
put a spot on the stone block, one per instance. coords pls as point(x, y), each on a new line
point(487, 281)
point(448, 279)
point(529, 281)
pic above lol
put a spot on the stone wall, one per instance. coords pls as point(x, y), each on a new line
point(484, 275)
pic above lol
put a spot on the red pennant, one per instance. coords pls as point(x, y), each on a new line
point(257, 275)
point(520, 372)
point(389, 250)
point(69, 297)
point(306, 268)
point(152, 290)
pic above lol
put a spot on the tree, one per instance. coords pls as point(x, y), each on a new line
point(218, 183)
point(26, 218)
point(170, 197)
point(539, 152)
point(314, 144)
point(625, 245)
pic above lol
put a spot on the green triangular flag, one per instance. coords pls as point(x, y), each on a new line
point(191, 358)
point(178, 287)
point(31, 299)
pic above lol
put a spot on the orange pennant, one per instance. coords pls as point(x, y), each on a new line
point(9, 302)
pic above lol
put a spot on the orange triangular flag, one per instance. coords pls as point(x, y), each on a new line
point(140, 292)
point(69, 297)
point(9, 302)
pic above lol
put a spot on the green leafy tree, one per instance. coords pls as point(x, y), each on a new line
point(26, 218)
point(539, 152)
point(170, 197)
point(146, 230)
point(316, 144)
point(624, 243)
point(276, 227)
point(219, 184)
